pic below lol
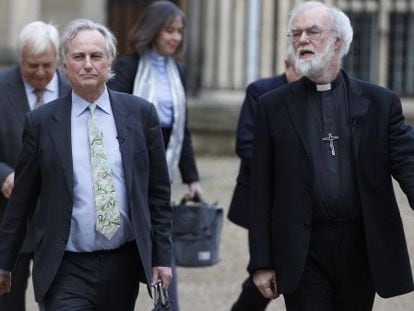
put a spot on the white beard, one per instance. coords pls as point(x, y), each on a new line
point(316, 65)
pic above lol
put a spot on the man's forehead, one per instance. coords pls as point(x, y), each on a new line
point(92, 36)
point(87, 40)
point(315, 17)
point(82, 49)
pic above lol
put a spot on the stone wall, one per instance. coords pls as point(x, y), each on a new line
point(213, 120)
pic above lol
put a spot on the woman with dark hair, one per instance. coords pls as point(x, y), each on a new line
point(152, 73)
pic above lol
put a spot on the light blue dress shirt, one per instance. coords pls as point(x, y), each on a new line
point(83, 236)
point(165, 106)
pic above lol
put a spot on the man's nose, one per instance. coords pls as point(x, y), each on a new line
point(88, 62)
point(40, 71)
point(304, 37)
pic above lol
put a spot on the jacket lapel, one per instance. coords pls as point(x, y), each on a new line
point(296, 105)
point(358, 108)
point(61, 135)
point(125, 135)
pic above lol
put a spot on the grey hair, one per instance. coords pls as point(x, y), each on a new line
point(339, 20)
point(39, 34)
point(77, 25)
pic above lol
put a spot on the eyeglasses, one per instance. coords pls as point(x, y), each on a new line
point(311, 33)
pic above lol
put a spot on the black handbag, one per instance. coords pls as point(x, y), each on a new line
point(160, 296)
point(196, 233)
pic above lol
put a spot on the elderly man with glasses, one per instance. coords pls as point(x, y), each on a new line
point(325, 227)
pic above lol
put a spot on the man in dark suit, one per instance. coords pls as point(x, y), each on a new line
point(96, 160)
point(250, 298)
point(38, 48)
point(326, 230)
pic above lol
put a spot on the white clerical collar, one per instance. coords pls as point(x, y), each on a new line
point(323, 87)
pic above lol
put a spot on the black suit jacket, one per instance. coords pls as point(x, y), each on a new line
point(45, 170)
point(239, 206)
point(383, 147)
point(125, 69)
point(14, 106)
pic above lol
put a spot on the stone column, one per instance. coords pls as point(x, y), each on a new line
point(384, 28)
point(14, 15)
point(268, 51)
point(253, 37)
point(239, 45)
point(223, 44)
point(283, 11)
point(209, 43)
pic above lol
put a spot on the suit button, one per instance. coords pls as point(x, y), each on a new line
point(69, 211)
point(64, 240)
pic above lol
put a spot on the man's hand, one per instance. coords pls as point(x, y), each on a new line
point(7, 187)
point(195, 191)
point(265, 280)
point(5, 282)
point(162, 273)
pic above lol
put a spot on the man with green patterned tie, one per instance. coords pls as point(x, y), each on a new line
point(96, 159)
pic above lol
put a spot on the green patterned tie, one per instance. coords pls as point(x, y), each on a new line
point(107, 211)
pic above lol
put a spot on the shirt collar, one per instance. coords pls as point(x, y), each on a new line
point(155, 57)
point(79, 105)
point(325, 87)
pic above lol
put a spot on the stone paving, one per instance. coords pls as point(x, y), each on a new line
point(215, 288)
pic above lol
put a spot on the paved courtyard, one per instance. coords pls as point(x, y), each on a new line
point(215, 288)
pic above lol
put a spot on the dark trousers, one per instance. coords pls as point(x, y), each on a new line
point(16, 299)
point(336, 276)
point(99, 281)
point(250, 298)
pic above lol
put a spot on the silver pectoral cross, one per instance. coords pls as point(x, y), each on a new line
point(331, 138)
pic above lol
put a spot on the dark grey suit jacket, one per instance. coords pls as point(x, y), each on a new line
point(14, 106)
point(45, 170)
point(382, 147)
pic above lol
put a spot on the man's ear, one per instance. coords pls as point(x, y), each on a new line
point(338, 43)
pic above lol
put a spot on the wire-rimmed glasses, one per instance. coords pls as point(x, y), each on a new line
point(312, 33)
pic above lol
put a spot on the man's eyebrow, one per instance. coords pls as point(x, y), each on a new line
point(310, 27)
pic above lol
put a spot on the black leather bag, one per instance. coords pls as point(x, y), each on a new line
point(160, 296)
point(196, 233)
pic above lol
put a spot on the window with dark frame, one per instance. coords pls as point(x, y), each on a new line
point(362, 59)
